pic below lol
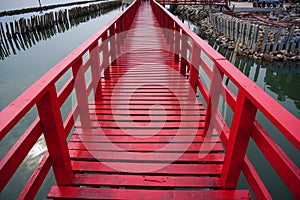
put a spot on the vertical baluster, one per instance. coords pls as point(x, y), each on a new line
point(239, 137)
point(81, 94)
point(52, 124)
point(172, 31)
point(119, 36)
point(105, 63)
point(194, 69)
point(176, 43)
point(96, 70)
point(113, 48)
point(183, 54)
point(213, 102)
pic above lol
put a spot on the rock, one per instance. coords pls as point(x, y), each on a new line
point(279, 56)
point(294, 58)
point(267, 57)
point(284, 58)
point(247, 51)
point(284, 52)
point(231, 47)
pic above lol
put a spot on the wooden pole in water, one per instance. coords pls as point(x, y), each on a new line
point(236, 50)
point(187, 19)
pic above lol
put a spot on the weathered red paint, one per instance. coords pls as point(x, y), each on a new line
point(235, 139)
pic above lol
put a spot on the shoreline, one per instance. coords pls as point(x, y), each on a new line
point(266, 36)
point(43, 8)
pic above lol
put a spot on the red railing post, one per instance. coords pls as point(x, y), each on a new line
point(105, 63)
point(213, 100)
point(183, 53)
point(113, 48)
point(241, 128)
point(172, 39)
point(52, 125)
point(119, 35)
point(81, 93)
point(176, 43)
point(96, 69)
point(194, 70)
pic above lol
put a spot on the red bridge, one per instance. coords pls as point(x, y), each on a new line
point(137, 129)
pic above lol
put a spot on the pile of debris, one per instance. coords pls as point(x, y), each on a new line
point(200, 17)
point(289, 13)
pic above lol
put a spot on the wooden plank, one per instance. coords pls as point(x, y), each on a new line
point(133, 95)
point(37, 178)
point(126, 85)
point(149, 118)
point(52, 125)
point(118, 132)
point(287, 170)
point(148, 147)
point(11, 161)
point(147, 107)
point(238, 140)
point(137, 98)
point(104, 193)
point(145, 125)
point(289, 38)
point(153, 112)
point(265, 39)
point(178, 138)
point(278, 34)
point(156, 157)
point(108, 91)
point(171, 169)
point(148, 102)
point(145, 181)
point(259, 189)
point(254, 37)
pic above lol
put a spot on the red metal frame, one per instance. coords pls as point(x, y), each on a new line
point(250, 98)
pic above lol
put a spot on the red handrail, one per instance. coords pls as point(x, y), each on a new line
point(250, 98)
point(48, 101)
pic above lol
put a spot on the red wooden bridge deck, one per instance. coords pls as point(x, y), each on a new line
point(137, 129)
point(145, 66)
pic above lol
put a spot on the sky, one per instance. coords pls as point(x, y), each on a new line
point(19, 4)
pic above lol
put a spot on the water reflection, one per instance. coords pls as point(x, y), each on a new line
point(279, 80)
point(285, 82)
point(15, 39)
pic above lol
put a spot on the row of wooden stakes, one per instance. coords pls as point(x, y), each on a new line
point(23, 33)
point(251, 36)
